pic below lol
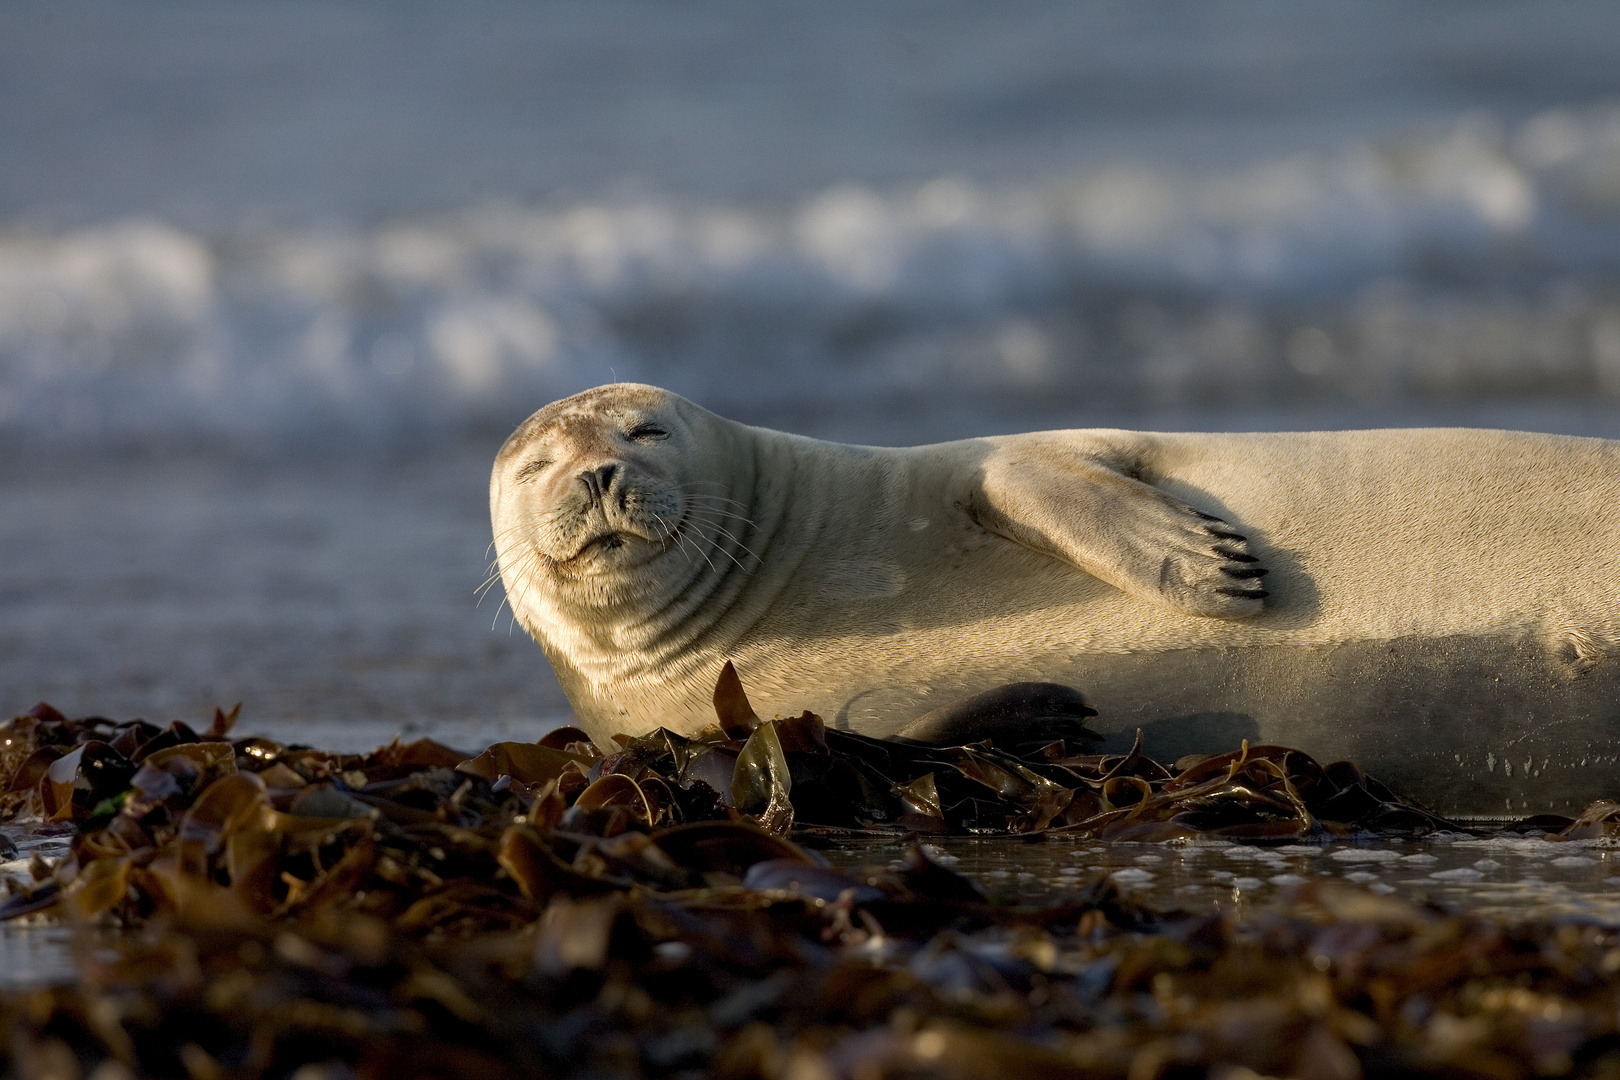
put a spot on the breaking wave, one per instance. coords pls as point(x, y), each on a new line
point(1475, 261)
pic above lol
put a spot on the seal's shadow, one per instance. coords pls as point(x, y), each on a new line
point(1192, 733)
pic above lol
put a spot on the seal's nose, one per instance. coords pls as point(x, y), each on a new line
point(599, 481)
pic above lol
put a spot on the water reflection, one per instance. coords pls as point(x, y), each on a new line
point(33, 951)
point(1507, 877)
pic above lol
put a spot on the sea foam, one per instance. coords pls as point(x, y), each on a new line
point(1473, 261)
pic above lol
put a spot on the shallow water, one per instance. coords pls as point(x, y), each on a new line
point(334, 598)
point(33, 950)
point(1512, 878)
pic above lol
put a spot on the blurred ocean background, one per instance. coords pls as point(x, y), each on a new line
point(276, 279)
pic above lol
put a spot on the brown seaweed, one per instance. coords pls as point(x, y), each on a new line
point(801, 970)
point(548, 909)
point(168, 818)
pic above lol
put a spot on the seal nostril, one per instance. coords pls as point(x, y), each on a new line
point(599, 481)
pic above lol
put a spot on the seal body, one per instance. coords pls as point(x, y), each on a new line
point(1442, 605)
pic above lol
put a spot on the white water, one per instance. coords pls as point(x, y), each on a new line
point(326, 224)
point(1476, 261)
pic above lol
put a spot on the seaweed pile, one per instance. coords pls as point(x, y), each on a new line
point(886, 980)
point(544, 909)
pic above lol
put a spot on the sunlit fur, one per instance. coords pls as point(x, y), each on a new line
point(1440, 600)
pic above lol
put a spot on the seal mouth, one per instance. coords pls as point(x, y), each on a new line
point(608, 541)
point(609, 535)
point(615, 539)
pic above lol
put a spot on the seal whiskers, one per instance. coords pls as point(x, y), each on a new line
point(721, 530)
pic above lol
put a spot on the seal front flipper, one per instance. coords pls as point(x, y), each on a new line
point(1086, 511)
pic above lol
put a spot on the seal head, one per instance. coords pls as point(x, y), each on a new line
point(610, 532)
point(588, 491)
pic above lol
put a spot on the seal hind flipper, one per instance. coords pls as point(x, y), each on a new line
point(1128, 533)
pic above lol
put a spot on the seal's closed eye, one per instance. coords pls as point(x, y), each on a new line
point(532, 469)
point(645, 432)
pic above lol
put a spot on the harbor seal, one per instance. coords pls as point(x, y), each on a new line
point(1441, 605)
